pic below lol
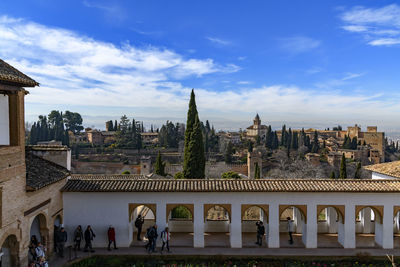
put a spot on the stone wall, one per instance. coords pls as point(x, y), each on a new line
point(103, 167)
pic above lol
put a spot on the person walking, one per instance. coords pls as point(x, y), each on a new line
point(165, 237)
point(139, 223)
point(89, 236)
point(78, 236)
point(61, 239)
point(290, 229)
point(260, 232)
point(152, 236)
point(111, 237)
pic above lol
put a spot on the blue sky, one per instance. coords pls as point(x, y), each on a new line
point(313, 63)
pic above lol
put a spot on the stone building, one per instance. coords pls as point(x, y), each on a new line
point(253, 159)
point(257, 129)
point(30, 200)
point(313, 158)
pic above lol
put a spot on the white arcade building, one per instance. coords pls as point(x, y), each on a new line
point(327, 213)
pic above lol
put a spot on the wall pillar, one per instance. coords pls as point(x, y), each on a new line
point(236, 226)
point(366, 220)
point(387, 222)
point(311, 227)
point(273, 226)
point(161, 219)
point(350, 227)
point(198, 225)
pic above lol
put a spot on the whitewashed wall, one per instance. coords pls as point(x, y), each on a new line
point(103, 209)
point(4, 121)
point(380, 176)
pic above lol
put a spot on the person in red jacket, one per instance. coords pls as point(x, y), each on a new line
point(111, 237)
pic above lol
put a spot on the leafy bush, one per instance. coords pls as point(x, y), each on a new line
point(230, 175)
point(178, 175)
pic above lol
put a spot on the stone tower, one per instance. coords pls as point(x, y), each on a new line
point(257, 122)
point(145, 165)
point(254, 158)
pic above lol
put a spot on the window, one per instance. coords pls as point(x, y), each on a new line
point(4, 121)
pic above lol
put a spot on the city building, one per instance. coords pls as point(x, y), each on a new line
point(257, 129)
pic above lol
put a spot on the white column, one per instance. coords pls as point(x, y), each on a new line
point(198, 225)
point(366, 220)
point(273, 226)
point(236, 226)
point(331, 220)
point(311, 226)
point(350, 227)
point(387, 227)
point(161, 220)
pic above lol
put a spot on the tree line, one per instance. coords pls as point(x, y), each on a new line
point(55, 126)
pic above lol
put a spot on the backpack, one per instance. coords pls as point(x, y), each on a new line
point(137, 223)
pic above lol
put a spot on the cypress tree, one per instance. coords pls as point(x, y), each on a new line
point(343, 170)
point(357, 175)
point(354, 143)
point(268, 138)
point(315, 145)
point(194, 160)
point(159, 167)
point(256, 171)
point(228, 153)
point(283, 136)
point(275, 143)
point(333, 176)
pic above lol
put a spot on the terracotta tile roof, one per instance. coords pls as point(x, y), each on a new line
point(388, 168)
point(107, 183)
point(11, 76)
point(46, 147)
point(41, 172)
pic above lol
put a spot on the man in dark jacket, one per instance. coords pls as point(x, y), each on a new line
point(78, 236)
point(260, 233)
point(89, 236)
point(139, 223)
point(111, 237)
point(61, 239)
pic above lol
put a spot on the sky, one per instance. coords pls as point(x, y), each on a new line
point(300, 63)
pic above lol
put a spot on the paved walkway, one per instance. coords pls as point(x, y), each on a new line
point(218, 244)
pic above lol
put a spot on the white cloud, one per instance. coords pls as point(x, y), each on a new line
point(299, 44)
point(98, 78)
point(378, 26)
point(244, 82)
point(350, 76)
point(219, 41)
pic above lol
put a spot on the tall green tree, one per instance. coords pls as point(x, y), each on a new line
point(194, 158)
point(159, 167)
point(315, 143)
point(357, 174)
point(343, 169)
point(228, 153)
point(333, 176)
point(257, 173)
point(73, 121)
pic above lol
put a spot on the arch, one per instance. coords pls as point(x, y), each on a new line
point(133, 206)
point(10, 248)
point(378, 210)
point(58, 220)
point(170, 207)
point(39, 228)
point(340, 210)
point(301, 208)
point(396, 209)
point(264, 208)
point(13, 231)
point(226, 207)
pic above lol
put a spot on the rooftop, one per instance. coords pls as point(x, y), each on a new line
point(11, 76)
point(388, 168)
point(41, 172)
point(129, 183)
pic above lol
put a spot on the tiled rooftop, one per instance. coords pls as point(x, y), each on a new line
point(41, 172)
point(128, 183)
point(388, 168)
point(11, 76)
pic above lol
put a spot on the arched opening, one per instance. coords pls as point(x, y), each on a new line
point(251, 215)
point(9, 251)
point(369, 229)
point(180, 224)
point(217, 226)
point(298, 219)
point(147, 214)
point(40, 232)
point(330, 223)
